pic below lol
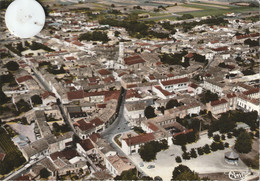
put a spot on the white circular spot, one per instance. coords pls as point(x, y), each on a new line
point(24, 18)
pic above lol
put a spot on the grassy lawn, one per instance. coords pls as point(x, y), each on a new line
point(207, 10)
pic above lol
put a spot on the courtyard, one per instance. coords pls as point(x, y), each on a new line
point(207, 163)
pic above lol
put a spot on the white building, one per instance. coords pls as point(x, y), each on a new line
point(132, 144)
point(175, 85)
point(117, 164)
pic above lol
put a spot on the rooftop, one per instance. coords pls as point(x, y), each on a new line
point(144, 138)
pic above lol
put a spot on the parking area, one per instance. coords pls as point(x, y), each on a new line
point(25, 130)
point(210, 163)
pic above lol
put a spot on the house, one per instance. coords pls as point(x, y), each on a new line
point(48, 97)
point(214, 86)
point(218, 106)
point(117, 164)
point(35, 149)
point(175, 85)
point(252, 93)
point(132, 144)
point(134, 110)
point(248, 104)
point(161, 93)
point(134, 62)
point(85, 147)
point(85, 128)
point(194, 89)
point(232, 100)
point(68, 161)
point(132, 95)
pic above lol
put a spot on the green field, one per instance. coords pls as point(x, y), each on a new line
point(6, 143)
point(13, 158)
point(214, 11)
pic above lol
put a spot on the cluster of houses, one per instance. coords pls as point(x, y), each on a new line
point(88, 81)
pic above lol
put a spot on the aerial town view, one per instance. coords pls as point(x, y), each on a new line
point(131, 90)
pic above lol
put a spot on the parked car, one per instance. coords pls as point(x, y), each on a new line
point(150, 166)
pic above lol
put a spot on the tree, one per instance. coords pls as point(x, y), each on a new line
point(44, 173)
point(210, 134)
point(200, 151)
point(193, 153)
point(12, 66)
point(229, 135)
point(149, 112)
point(216, 138)
point(149, 150)
point(214, 146)
point(208, 96)
point(186, 156)
point(128, 175)
point(182, 172)
point(223, 137)
point(172, 103)
point(178, 159)
point(243, 143)
point(226, 145)
point(36, 99)
point(206, 149)
point(113, 5)
point(183, 148)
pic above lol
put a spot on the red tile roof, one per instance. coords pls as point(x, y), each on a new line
point(247, 36)
point(175, 81)
point(164, 92)
point(170, 75)
point(218, 102)
point(112, 95)
point(83, 125)
point(70, 58)
point(96, 122)
point(151, 77)
point(94, 137)
point(86, 144)
point(47, 94)
point(189, 55)
point(132, 93)
point(158, 63)
point(133, 60)
point(183, 132)
point(23, 178)
point(152, 126)
point(24, 78)
point(101, 105)
point(251, 91)
point(109, 79)
point(75, 94)
point(144, 138)
point(220, 49)
point(231, 95)
point(104, 72)
point(68, 154)
point(121, 74)
point(131, 85)
point(193, 85)
point(77, 43)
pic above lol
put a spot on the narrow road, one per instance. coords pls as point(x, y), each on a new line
point(22, 170)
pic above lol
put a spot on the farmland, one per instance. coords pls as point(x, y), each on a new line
point(13, 158)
